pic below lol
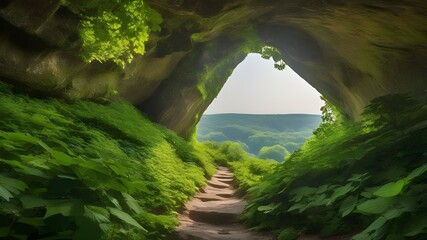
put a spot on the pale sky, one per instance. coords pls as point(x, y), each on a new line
point(256, 87)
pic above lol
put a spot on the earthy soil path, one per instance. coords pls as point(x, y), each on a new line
point(215, 213)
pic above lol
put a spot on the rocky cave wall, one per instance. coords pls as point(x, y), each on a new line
point(350, 51)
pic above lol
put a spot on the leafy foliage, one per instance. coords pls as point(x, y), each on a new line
point(366, 177)
point(90, 171)
point(275, 152)
point(268, 52)
point(114, 30)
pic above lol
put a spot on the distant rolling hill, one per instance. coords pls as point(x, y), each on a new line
point(257, 131)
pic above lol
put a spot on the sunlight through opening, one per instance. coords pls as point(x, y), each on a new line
point(256, 87)
point(270, 113)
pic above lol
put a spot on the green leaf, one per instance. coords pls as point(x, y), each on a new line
point(45, 146)
point(298, 206)
point(367, 194)
point(125, 218)
point(5, 194)
point(322, 189)
point(375, 206)
point(115, 202)
point(35, 161)
point(393, 213)
point(288, 234)
point(358, 177)
point(340, 191)
point(63, 159)
point(302, 192)
point(265, 207)
point(64, 145)
point(97, 214)
point(34, 172)
point(13, 185)
point(20, 137)
point(348, 205)
point(132, 203)
point(391, 189)
point(10, 186)
point(417, 172)
point(319, 200)
point(8, 145)
point(67, 177)
point(268, 208)
point(375, 226)
point(31, 201)
point(72, 207)
point(9, 208)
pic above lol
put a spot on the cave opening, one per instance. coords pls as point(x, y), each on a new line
point(269, 112)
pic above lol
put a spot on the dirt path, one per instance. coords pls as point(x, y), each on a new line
point(214, 214)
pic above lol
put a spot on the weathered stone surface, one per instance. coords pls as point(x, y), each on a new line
point(350, 51)
point(217, 212)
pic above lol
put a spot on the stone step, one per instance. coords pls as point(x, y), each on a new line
point(218, 184)
point(217, 212)
point(226, 176)
point(203, 231)
point(223, 175)
point(224, 180)
point(219, 192)
point(222, 168)
point(208, 198)
point(215, 218)
point(226, 195)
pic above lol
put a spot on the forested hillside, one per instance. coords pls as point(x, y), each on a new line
point(267, 136)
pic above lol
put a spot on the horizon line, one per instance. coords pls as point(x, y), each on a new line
point(262, 114)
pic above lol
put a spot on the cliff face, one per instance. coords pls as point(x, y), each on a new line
point(350, 51)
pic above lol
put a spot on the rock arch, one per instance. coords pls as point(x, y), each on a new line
point(350, 51)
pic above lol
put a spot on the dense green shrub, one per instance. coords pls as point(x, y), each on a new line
point(275, 152)
point(114, 30)
point(90, 171)
point(366, 177)
point(250, 170)
point(232, 151)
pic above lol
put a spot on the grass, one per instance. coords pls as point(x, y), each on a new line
point(85, 170)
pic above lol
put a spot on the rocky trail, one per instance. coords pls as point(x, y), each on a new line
point(215, 213)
